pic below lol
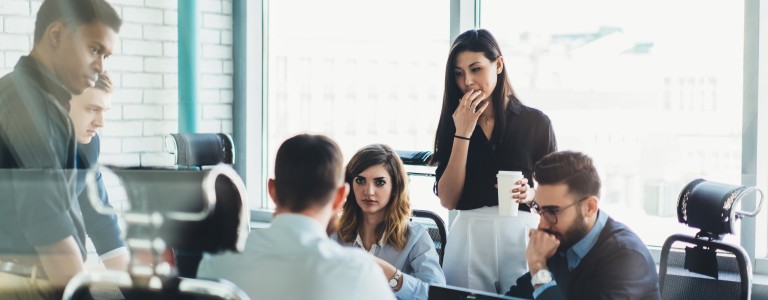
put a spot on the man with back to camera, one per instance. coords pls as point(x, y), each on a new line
point(294, 258)
point(41, 234)
point(578, 251)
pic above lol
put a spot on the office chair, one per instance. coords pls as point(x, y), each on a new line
point(711, 269)
point(416, 158)
point(431, 221)
point(205, 211)
point(196, 150)
point(435, 227)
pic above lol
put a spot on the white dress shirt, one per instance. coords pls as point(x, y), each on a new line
point(295, 259)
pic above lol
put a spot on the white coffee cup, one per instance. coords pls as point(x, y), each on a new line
point(506, 181)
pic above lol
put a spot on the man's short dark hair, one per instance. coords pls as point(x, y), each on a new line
point(575, 169)
point(308, 169)
point(75, 13)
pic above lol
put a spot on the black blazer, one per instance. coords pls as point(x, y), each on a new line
point(619, 266)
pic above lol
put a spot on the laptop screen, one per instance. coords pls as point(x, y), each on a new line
point(442, 292)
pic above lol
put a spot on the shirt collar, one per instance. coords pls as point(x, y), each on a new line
point(514, 106)
point(45, 79)
point(300, 222)
point(359, 242)
point(580, 249)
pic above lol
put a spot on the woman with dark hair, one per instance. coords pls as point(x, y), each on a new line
point(376, 217)
point(484, 129)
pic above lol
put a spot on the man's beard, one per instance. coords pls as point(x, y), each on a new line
point(573, 236)
point(577, 232)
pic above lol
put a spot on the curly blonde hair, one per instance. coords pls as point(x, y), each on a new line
point(394, 228)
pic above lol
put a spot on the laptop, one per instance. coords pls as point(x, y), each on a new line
point(442, 292)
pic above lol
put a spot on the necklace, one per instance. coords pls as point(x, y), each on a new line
point(487, 120)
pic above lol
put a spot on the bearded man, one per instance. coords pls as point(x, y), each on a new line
point(578, 251)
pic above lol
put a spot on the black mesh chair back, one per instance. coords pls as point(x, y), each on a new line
point(201, 149)
point(708, 268)
point(435, 227)
point(197, 151)
point(200, 211)
point(109, 285)
point(734, 272)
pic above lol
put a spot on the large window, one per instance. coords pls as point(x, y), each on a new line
point(650, 89)
point(359, 72)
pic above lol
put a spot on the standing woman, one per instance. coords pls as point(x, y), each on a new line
point(484, 128)
point(376, 218)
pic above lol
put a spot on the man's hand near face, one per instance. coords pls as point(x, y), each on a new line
point(541, 246)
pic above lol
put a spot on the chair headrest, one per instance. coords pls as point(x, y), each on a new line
point(419, 158)
point(709, 206)
point(201, 149)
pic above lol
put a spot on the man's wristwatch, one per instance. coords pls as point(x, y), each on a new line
point(393, 282)
point(541, 277)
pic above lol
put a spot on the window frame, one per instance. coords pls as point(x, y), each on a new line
point(465, 14)
point(755, 103)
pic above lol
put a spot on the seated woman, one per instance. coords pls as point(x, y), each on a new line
point(376, 217)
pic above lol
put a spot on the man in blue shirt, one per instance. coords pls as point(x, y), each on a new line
point(578, 251)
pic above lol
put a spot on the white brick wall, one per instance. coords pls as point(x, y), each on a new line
point(217, 51)
point(209, 96)
point(142, 47)
point(15, 7)
point(161, 65)
point(131, 31)
point(161, 33)
point(14, 42)
point(142, 15)
point(144, 67)
point(142, 80)
point(210, 36)
point(169, 4)
point(217, 21)
point(170, 18)
point(117, 3)
point(210, 6)
point(126, 95)
point(19, 24)
point(162, 95)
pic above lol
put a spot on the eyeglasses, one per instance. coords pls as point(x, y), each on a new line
point(550, 213)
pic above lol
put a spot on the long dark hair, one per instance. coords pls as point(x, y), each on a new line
point(474, 40)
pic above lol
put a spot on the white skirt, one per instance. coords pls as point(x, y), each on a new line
point(486, 251)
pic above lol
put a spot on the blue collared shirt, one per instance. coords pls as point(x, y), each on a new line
point(418, 261)
point(295, 259)
point(579, 250)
